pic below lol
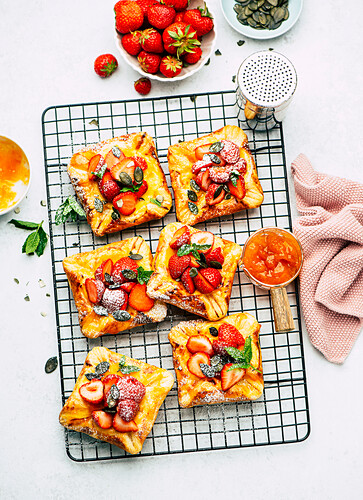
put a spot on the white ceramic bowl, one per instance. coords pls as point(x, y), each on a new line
point(207, 46)
point(295, 7)
point(20, 187)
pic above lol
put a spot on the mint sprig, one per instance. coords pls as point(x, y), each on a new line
point(143, 276)
point(234, 177)
point(69, 208)
point(194, 249)
point(126, 369)
point(243, 358)
point(36, 241)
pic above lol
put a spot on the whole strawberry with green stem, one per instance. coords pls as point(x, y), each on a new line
point(149, 62)
point(151, 41)
point(180, 38)
point(131, 43)
point(143, 87)
point(170, 66)
point(200, 19)
point(105, 65)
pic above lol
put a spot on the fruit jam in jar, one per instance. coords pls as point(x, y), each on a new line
point(272, 256)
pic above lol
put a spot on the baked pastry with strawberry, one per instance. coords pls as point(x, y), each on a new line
point(109, 287)
point(217, 362)
point(116, 399)
point(213, 175)
point(120, 183)
point(194, 270)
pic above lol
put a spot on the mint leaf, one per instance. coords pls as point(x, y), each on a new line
point(243, 358)
point(125, 370)
point(143, 276)
point(194, 249)
point(122, 362)
point(22, 224)
point(239, 366)
point(133, 189)
point(76, 207)
point(101, 172)
point(156, 202)
point(43, 239)
point(236, 354)
point(247, 351)
point(234, 177)
point(31, 243)
point(69, 208)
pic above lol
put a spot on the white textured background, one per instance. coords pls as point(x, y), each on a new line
point(46, 58)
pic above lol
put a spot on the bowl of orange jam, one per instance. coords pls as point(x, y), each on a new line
point(14, 175)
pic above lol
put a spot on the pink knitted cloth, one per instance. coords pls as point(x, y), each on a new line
point(330, 230)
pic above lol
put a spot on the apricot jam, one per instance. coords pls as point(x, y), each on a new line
point(14, 173)
point(272, 256)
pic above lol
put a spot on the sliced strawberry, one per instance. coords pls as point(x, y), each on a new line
point(111, 159)
point(177, 265)
point(213, 276)
point(230, 152)
point(200, 165)
point(200, 343)
point(238, 191)
point(194, 362)
point(140, 162)
point(139, 300)
point(95, 290)
point(121, 425)
point(210, 196)
point(102, 419)
point(108, 381)
point(194, 262)
point(114, 300)
point(109, 187)
point(127, 287)
point(230, 335)
point(142, 189)
point(94, 165)
point(131, 388)
point(215, 255)
point(203, 238)
point(230, 378)
point(127, 409)
point(181, 237)
point(125, 203)
point(92, 392)
point(187, 281)
point(126, 166)
point(104, 268)
point(124, 264)
point(202, 284)
point(200, 151)
point(203, 180)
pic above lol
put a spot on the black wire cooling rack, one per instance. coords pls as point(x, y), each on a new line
point(281, 415)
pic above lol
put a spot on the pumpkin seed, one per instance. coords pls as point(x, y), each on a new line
point(138, 175)
point(193, 208)
point(51, 365)
point(252, 22)
point(253, 5)
point(213, 331)
point(216, 147)
point(193, 272)
point(192, 195)
point(279, 14)
point(261, 14)
point(238, 8)
point(115, 214)
point(215, 159)
point(135, 256)
point(248, 11)
point(116, 151)
point(215, 264)
point(194, 185)
point(98, 205)
point(102, 368)
point(228, 196)
point(125, 178)
point(129, 275)
point(273, 2)
point(100, 310)
point(121, 315)
point(287, 14)
point(218, 191)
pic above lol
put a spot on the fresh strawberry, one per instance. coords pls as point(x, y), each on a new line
point(149, 62)
point(230, 378)
point(200, 151)
point(127, 409)
point(187, 281)
point(108, 187)
point(139, 300)
point(179, 17)
point(230, 151)
point(177, 265)
point(102, 419)
point(203, 180)
point(199, 343)
point(94, 166)
point(240, 166)
point(108, 381)
point(140, 162)
point(193, 56)
point(160, 16)
point(95, 290)
point(114, 300)
point(129, 16)
point(124, 264)
point(215, 255)
point(220, 175)
point(126, 165)
point(180, 38)
point(178, 5)
point(92, 392)
point(144, 4)
point(230, 335)
point(200, 165)
point(211, 198)
point(213, 276)
point(105, 65)
point(202, 284)
point(142, 189)
point(131, 388)
point(151, 41)
point(193, 261)
point(121, 425)
point(180, 237)
point(203, 238)
point(125, 203)
point(194, 362)
point(170, 66)
point(104, 268)
point(142, 85)
point(238, 191)
point(131, 43)
point(219, 347)
point(200, 19)
point(115, 155)
point(127, 287)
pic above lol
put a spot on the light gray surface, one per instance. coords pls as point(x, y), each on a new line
point(46, 58)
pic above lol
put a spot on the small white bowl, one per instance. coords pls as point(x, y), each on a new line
point(207, 46)
point(20, 187)
point(295, 7)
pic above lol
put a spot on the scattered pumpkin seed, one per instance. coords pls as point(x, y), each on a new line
point(193, 272)
point(129, 274)
point(216, 147)
point(215, 159)
point(26, 298)
point(207, 63)
point(213, 331)
point(159, 198)
point(51, 364)
point(116, 151)
point(193, 98)
point(94, 122)
point(192, 195)
point(115, 214)
point(16, 281)
point(261, 14)
point(234, 78)
point(218, 52)
point(194, 185)
point(43, 203)
point(43, 314)
point(228, 196)
point(218, 191)
point(102, 368)
point(17, 210)
point(193, 208)
point(240, 43)
point(121, 315)
point(215, 264)
point(47, 294)
point(98, 205)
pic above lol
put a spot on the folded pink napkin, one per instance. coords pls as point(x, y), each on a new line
point(330, 230)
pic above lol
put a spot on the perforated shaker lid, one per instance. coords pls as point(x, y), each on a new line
point(267, 78)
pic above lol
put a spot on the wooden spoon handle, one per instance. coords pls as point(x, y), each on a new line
point(284, 321)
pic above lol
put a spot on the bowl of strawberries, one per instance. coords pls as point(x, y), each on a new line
point(163, 41)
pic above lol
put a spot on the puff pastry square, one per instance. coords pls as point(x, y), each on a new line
point(81, 266)
point(193, 390)
point(139, 144)
point(77, 413)
point(161, 286)
point(181, 158)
